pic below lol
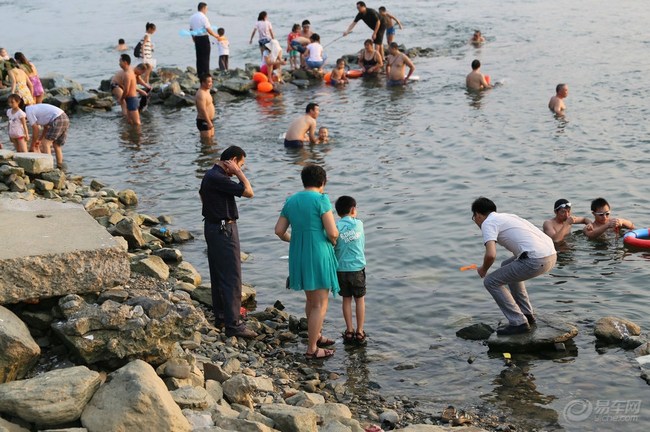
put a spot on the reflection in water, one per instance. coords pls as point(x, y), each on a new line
point(475, 98)
point(270, 104)
point(356, 370)
point(561, 124)
point(208, 155)
point(308, 154)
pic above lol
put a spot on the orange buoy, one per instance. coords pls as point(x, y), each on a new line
point(487, 78)
point(328, 77)
point(259, 77)
point(354, 73)
point(264, 87)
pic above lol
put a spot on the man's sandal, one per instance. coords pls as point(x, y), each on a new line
point(320, 353)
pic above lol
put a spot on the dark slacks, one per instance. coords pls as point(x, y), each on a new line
point(225, 273)
point(202, 45)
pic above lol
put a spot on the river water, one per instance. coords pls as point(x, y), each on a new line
point(414, 159)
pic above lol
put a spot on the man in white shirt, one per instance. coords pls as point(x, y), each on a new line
point(533, 254)
point(200, 29)
point(55, 125)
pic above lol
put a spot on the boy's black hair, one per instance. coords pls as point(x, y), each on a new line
point(344, 205)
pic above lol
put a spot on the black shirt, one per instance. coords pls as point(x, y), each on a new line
point(370, 18)
point(218, 194)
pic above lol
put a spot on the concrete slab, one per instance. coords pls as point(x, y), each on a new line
point(34, 163)
point(51, 249)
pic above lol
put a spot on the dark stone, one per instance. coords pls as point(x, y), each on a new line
point(169, 255)
point(548, 331)
point(57, 177)
point(478, 331)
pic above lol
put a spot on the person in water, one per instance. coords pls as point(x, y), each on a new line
point(559, 227)
point(303, 127)
point(556, 104)
point(396, 63)
point(475, 80)
point(601, 210)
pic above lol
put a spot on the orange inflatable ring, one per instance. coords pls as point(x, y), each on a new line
point(487, 78)
point(328, 77)
point(264, 87)
point(354, 73)
point(259, 77)
point(639, 238)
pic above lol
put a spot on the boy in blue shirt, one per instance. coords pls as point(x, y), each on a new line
point(351, 270)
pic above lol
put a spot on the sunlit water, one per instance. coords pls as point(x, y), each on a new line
point(414, 159)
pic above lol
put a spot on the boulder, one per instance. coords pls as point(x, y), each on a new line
point(52, 81)
point(18, 351)
point(186, 272)
point(66, 103)
point(548, 331)
point(192, 397)
point(182, 236)
point(52, 398)
point(135, 399)
point(304, 399)
point(43, 185)
point(614, 329)
point(128, 229)
point(333, 411)
point(57, 177)
point(169, 255)
point(34, 163)
point(289, 418)
point(478, 331)
point(128, 197)
point(115, 333)
point(240, 388)
point(84, 98)
point(152, 266)
point(237, 86)
point(173, 88)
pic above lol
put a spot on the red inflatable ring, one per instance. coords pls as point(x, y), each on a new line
point(638, 238)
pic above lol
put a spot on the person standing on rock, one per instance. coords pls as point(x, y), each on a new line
point(533, 255)
point(200, 29)
point(205, 108)
point(220, 214)
point(55, 125)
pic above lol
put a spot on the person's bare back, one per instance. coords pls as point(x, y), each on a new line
point(300, 128)
point(476, 81)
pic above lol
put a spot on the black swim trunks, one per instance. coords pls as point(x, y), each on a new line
point(353, 284)
point(293, 143)
point(202, 125)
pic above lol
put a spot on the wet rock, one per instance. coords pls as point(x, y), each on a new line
point(135, 398)
point(182, 236)
point(237, 86)
point(52, 398)
point(128, 197)
point(389, 418)
point(478, 331)
point(643, 349)
point(162, 233)
point(84, 98)
point(614, 329)
point(179, 101)
point(66, 103)
point(632, 342)
point(548, 331)
point(18, 351)
point(289, 418)
point(52, 81)
point(152, 266)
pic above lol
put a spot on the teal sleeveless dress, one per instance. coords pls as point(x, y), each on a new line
point(312, 263)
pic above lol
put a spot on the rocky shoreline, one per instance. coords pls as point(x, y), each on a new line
point(142, 355)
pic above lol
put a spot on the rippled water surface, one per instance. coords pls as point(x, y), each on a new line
point(414, 159)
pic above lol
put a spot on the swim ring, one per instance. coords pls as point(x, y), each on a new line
point(354, 73)
point(639, 238)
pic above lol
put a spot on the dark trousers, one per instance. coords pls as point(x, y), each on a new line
point(223, 62)
point(225, 273)
point(202, 45)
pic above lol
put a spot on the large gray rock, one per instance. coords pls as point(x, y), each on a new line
point(145, 328)
point(50, 399)
point(192, 397)
point(56, 176)
point(84, 98)
point(289, 418)
point(51, 249)
point(18, 351)
point(187, 273)
point(478, 331)
point(240, 388)
point(34, 163)
point(304, 399)
point(548, 331)
point(130, 230)
point(614, 329)
point(52, 81)
point(333, 411)
point(128, 197)
point(237, 86)
point(153, 266)
point(135, 399)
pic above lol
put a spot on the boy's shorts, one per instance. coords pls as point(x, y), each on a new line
point(352, 284)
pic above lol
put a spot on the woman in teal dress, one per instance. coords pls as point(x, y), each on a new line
point(312, 263)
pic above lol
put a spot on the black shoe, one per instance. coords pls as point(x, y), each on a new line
point(531, 319)
point(242, 333)
point(512, 330)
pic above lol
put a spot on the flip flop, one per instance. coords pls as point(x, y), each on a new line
point(324, 342)
point(320, 353)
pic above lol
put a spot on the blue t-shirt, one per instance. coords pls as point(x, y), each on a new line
point(350, 245)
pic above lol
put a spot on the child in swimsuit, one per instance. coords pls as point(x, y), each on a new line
point(294, 54)
point(18, 132)
point(338, 76)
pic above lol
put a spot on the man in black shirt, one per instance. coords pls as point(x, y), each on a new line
point(373, 20)
point(220, 213)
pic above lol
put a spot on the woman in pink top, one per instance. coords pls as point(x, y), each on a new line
point(32, 74)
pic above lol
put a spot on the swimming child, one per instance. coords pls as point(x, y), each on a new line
point(351, 272)
point(18, 132)
point(323, 135)
point(294, 54)
point(477, 38)
point(121, 45)
point(223, 49)
point(338, 76)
